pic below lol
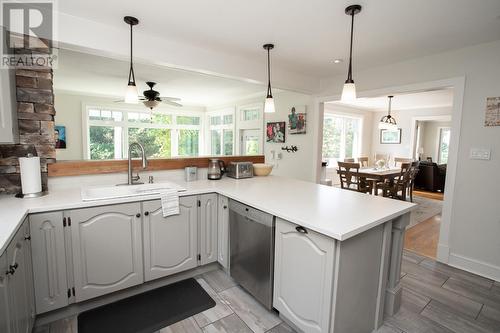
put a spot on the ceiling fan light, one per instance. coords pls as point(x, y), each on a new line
point(349, 92)
point(151, 104)
point(131, 94)
point(269, 105)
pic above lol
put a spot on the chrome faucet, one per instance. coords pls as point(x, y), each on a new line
point(133, 180)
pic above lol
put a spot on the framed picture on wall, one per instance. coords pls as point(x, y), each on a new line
point(275, 132)
point(390, 136)
point(60, 136)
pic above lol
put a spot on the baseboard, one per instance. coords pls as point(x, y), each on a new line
point(474, 266)
point(443, 253)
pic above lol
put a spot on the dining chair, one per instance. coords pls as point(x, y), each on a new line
point(363, 161)
point(349, 160)
point(399, 184)
point(400, 160)
point(349, 179)
point(413, 173)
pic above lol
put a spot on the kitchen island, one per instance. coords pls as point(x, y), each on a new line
point(340, 275)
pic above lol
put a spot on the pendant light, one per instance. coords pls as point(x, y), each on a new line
point(388, 122)
point(131, 94)
point(269, 104)
point(349, 91)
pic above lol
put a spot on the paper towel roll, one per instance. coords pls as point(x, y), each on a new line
point(31, 176)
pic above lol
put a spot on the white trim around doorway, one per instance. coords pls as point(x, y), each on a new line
point(458, 85)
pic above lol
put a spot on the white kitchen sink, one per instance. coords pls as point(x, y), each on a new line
point(125, 191)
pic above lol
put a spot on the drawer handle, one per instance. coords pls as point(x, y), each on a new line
point(300, 229)
point(146, 213)
point(27, 238)
point(12, 269)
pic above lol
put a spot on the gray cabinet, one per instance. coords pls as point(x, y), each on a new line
point(17, 308)
point(8, 106)
point(4, 296)
point(303, 276)
point(223, 231)
point(107, 249)
point(49, 261)
point(170, 243)
point(208, 228)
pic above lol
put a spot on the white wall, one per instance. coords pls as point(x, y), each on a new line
point(297, 165)
point(404, 119)
point(430, 138)
point(473, 240)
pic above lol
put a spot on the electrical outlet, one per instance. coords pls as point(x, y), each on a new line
point(480, 154)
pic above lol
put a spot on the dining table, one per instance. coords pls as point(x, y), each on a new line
point(377, 175)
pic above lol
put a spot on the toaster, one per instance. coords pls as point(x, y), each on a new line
point(239, 170)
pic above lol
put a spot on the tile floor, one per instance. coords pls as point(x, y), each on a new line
point(436, 298)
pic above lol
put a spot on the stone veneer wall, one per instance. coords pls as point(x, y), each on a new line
point(35, 114)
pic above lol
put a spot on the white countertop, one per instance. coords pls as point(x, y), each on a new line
point(336, 213)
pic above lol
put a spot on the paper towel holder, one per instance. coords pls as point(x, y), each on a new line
point(31, 195)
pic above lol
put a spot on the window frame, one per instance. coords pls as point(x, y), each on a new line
point(440, 140)
point(357, 148)
point(125, 125)
point(209, 128)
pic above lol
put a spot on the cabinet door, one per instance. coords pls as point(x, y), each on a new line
point(29, 274)
point(107, 249)
point(208, 228)
point(170, 243)
point(17, 282)
point(4, 296)
point(8, 108)
point(303, 276)
point(223, 231)
point(49, 261)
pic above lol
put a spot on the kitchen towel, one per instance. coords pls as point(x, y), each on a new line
point(169, 202)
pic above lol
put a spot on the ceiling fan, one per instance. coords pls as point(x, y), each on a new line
point(152, 98)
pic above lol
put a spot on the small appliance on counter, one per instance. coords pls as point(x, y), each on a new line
point(216, 168)
point(240, 170)
point(190, 173)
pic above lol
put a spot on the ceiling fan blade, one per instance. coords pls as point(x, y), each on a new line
point(170, 98)
point(172, 103)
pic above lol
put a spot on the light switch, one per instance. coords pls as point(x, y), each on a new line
point(480, 154)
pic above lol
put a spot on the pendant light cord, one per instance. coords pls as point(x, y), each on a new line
point(131, 75)
point(349, 73)
point(269, 93)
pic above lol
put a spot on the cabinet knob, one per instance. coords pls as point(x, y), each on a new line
point(301, 229)
point(27, 238)
point(137, 215)
point(146, 213)
point(225, 207)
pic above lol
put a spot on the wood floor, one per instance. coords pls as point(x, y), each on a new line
point(423, 238)
point(437, 298)
point(429, 195)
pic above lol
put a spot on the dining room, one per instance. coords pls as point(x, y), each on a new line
point(375, 145)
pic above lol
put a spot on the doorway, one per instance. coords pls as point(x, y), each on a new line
point(458, 86)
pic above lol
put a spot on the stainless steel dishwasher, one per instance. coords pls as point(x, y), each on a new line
point(252, 250)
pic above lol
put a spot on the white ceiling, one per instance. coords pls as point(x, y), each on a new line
point(308, 34)
point(417, 100)
point(86, 74)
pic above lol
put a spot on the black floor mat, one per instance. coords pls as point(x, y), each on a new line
point(147, 312)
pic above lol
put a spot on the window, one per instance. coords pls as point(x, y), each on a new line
point(163, 135)
point(341, 138)
point(249, 114)
point(444, 145)
point(221, 132)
